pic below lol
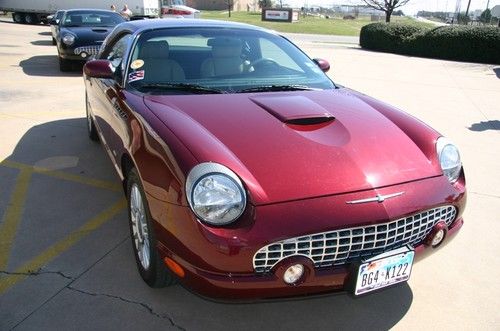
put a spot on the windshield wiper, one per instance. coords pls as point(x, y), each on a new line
point(271, 88)
point(183, 87)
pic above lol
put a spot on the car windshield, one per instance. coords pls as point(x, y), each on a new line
point(220, 60)
point(59, 14)
point(90, 18)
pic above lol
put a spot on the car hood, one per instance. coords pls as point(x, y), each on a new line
point(290, 146)
point(95, 34)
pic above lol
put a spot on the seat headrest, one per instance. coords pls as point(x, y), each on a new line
point(154, 49)
point(224, 41)
point(225, 47)
point(76, 19)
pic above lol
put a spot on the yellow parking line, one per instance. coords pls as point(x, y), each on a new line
point(108, 185)
point(112, 186)
point(15, 209)
point(13, 215)
point(61, 246)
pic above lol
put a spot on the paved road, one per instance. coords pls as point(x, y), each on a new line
point(304, 39)
point(65, 255)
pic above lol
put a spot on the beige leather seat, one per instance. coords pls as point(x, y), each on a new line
point(226, 58)
point(157, 66)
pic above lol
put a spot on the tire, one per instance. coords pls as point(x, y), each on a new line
point(18, 18)
point(64, 65)
point(92, 131)
point(149, 263)
point(54, 42)
point(31, 19)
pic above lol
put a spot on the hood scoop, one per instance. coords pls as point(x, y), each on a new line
point(100, 30)
point(294, 110)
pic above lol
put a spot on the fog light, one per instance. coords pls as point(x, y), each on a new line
point(293, 273)
point(83, 54)
point(437, 235)
point(438, 238)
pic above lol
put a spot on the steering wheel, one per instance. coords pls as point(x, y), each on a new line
point(264, 62)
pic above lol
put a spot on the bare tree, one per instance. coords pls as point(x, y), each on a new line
point(230, 4)
point(387, 6)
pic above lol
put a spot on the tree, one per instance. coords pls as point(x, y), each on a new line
point(387, 6)
point(463, 18)
point(230, 4)
point(265, 3)
point(485, 16)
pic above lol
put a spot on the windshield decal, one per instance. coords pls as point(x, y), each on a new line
point(137, 64)
point(135, 76)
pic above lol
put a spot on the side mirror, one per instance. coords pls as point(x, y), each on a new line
point(98, 69)
point(51, 19)
point(322, 64)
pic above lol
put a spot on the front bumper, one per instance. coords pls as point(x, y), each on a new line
point(78, 53)
point(271, 285)
point(219, 261)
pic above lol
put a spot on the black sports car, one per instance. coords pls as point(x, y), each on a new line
point(81, 33)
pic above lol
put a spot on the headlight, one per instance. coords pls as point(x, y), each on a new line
point(215, 194)
point(68, 39)
point(449, 158)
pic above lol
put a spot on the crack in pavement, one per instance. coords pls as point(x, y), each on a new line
point(36, 273)
point(148, 308)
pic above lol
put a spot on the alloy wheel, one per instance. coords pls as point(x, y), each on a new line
point(140, 231)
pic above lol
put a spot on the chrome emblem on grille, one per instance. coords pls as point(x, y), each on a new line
point(379, 198)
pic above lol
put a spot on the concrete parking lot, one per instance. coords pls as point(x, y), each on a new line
point(66, 259)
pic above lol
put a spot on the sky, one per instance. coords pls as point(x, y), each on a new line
point(411, 8)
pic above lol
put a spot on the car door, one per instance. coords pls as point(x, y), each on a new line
point(108, 105)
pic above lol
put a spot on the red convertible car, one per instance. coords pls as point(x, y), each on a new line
point(250, 174)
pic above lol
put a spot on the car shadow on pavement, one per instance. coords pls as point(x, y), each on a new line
point(486, 125)
point(116, 277)
point(45, 42)
point(99, 273)
point(54, 182)
point(45, 33)
point(376, 311)
point(47, 65)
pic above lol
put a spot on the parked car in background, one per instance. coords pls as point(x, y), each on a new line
point(250, 174)
point(177, 9)
point(54, 24)
point(81, 34)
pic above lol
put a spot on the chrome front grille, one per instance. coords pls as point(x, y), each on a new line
point(90, 50)
point(345, 245)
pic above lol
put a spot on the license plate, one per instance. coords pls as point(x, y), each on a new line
point(384, 270)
